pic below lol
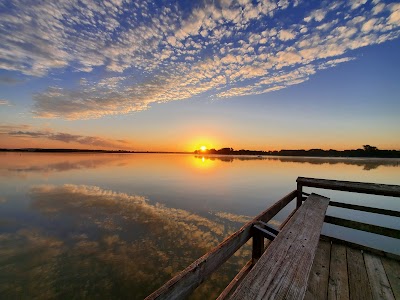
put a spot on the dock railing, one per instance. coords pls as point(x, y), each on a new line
point(185, 282)
point(354, 187)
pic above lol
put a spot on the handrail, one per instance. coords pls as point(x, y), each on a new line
point(356, 187)
point(350, 186)
point(184, 283)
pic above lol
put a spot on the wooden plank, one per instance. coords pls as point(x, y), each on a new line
point(374, 210)
point(335, 240)
point(319, 276)
point(258, 245)
point(350, 186)
point(282, 271)
point(338, 287)
point(358, 279)
point(390, 232)
point(378, 281)
point(235, 281)
point(299, 195)
point(392, 269)
point(246, 269)
point(180, 286)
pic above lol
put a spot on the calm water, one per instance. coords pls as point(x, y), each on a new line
point(116, 226)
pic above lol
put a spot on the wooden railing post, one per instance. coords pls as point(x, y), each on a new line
point(299, 194)
point(258, 245)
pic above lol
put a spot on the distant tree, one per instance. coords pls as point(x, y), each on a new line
point(368, 148)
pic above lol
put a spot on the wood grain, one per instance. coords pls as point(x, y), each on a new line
point(358, 279)
point(338, 287)
point(184, 283)
point(392, 269)
point(319, 276)
point(282, 271)
point(350, 186)
point(380, 286)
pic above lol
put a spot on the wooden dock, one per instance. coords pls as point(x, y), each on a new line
point(341, 271)
point(295, 261)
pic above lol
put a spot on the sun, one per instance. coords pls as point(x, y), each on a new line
point(203, 148)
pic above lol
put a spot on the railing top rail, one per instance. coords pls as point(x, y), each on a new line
point(350, 186)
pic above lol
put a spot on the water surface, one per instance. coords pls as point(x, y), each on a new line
point(116, 226)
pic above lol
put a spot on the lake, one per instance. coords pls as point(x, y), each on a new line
point(117, 226)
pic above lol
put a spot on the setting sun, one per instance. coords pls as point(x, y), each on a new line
point(203, 148)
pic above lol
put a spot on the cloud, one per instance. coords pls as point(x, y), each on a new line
point(286, 35)
point(124, 234)
point(95, 141)
point(4, 102)
point(168, 53)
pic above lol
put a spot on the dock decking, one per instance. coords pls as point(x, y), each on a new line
point(279, 268)
point(340, 271)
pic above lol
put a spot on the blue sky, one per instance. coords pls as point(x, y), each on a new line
point(247, 74)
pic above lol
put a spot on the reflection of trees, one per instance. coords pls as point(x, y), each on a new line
point(95, 243)
point(366, 163)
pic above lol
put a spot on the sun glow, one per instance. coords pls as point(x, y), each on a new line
point(203, 148)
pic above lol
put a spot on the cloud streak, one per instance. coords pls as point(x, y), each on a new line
point(68, 138)
point(24, 131)
point(168, 53)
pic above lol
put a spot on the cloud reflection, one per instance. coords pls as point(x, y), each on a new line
point(54, 164)
point(98, 243)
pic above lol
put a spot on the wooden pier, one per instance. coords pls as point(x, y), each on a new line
point(295, 261)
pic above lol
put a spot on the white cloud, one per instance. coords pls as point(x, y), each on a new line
point(317, 15)
point(163, 54)
point(357, 3)
point(378, 8)
point(286, 35)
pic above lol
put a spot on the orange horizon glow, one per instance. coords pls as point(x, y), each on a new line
point(191, 144)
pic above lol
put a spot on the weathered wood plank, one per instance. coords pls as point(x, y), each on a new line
point(338, 288)
point(235, 281)
point(392, 269)
point(299, 195)
point(319, 276)
point(258, 245)
point(335, 240)
point(378, 281)
point(374, 210)
point(349, 186)
point(180, 286)
point(358, 279)
point(390, 232)
point(282, 271)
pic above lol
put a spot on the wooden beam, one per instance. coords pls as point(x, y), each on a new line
point(338, 288)
point(380, 286)
point(299, 194)
point(258, 245)
point(392, 269)
point(282, 271)
point(245, 270)
point(350, 186)
point(374, 210)
point(180, 286)
point(335, 240)
point(319, 276)
point(358, 279)
point(235, 281)
point(265, 233)
point(390, 232)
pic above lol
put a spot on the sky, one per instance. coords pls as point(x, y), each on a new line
point(177, 75)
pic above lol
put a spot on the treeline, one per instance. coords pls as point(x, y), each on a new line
point(366, 151)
